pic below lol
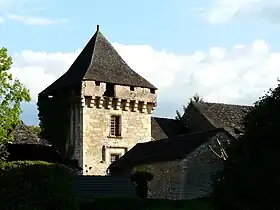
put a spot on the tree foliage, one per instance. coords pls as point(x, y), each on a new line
point(250, 179)
point(195, 98)
point(12, 94)
point(35, 129)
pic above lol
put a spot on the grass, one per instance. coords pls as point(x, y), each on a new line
point(105, 203)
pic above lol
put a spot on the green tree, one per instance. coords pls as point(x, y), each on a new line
point(35, 129)
point(195, 98)
point(12, 93)
point(250, 178)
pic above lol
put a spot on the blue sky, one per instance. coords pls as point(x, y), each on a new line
point(225, 50)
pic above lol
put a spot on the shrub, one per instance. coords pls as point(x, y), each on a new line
point(112, 202)
point(36, 185)
point(128, 203)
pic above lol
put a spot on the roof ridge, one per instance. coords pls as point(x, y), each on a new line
point(218, 129)
point(203, 114)
point(164, 118)
point(93, 54)
point(205, 102)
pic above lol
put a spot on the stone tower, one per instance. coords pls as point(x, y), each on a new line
point(114, 106)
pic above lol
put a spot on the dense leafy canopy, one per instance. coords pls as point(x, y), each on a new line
point(12, 94)
point(250, 179)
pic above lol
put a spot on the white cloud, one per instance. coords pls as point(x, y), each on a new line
point(23, 11)
point(225, 10)
point(237, 75)
point(2, 20)
point(32, 20)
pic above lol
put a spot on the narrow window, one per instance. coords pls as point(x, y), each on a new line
point(131, 88)
point(115, 126)
point(97, 83)
point(114, 157)
point(103, 154)
point(152, 91)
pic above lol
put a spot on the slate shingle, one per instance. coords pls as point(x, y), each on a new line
point(227, 116)
point(169, 149)
point(99, 61)
point(163, 128)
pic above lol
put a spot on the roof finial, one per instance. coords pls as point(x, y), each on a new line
point(97, 27)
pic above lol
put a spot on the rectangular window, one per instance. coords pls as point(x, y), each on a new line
point(115, 126)
point(114, 157)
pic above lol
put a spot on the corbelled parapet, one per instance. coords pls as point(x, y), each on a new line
point(101, 95)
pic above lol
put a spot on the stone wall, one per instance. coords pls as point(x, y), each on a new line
point(97, 144)
point(89, 88)
point(167, 180)
point(201, 165)
point(189, 178)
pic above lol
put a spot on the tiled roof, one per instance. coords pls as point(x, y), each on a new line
point(172, 148)
point(23, 135)
point(99, 61)
point(227, 116)
point(163, 128)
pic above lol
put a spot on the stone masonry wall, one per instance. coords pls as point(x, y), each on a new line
point(135, 113)
point(167, 180)
point(201, 165)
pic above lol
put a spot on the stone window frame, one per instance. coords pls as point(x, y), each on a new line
point(117, 131)
point(107, 151)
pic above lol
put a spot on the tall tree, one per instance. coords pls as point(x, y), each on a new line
point(12, 93)
point(250, 178)
point(195, 98)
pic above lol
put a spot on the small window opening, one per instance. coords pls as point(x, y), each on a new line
point(131, 88)
point(88, 101)
point(153, 91)
point(115, 129)
point(110, 90)
point(103, 154)
point(114, 157)
point(97, 83)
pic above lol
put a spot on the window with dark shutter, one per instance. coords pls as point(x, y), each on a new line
point(115, 126)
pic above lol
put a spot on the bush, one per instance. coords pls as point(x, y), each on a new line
point(36, 185)
point(128, 203)
point(112, 202)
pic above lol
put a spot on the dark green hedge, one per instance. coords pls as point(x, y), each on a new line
point(36, 185)
point(126, 203)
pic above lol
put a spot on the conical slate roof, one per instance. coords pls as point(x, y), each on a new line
point(99, 61)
